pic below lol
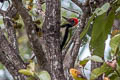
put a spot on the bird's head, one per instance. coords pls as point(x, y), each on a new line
point(72, 21)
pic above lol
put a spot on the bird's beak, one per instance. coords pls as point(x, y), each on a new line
point(67, 19)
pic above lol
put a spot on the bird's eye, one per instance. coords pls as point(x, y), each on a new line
point(72, 21)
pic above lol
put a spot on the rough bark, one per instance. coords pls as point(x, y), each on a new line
point(11, 34)
point(10, 59)
point(51, 36)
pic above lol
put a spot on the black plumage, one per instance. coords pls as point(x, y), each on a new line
point(65, 35)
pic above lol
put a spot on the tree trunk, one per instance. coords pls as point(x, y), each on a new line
point(51, 37)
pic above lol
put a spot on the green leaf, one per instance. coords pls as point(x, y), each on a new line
point(118, 9)
point(87, 26)
point(112, 76)
point(30, 78)
point(30, 70)
point(44, 75)
point(93, 58)
point(102, 10)
point(1, 21)
point(118, 16)
point(118, 2)
point(84, 62)
point(114, 43)
point(118, 60)
point(26, 72)
point(96, 58)
point(101, 27)
point(117, 78)
point(98, 11)
point(31, 65)
point(1, 66)
point(98, 71)
point(105, 7)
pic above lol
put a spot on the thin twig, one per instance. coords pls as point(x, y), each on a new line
point(78, 3)
point(39, 8)
point(117, 72)
point(2, 12)
point(71, 10)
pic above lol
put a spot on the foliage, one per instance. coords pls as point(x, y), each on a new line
point(99, 26)
point(33, 74)
point(102, 24)
point(114, 43)
point(98, 71)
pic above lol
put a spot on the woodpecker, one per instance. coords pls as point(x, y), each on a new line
point(71, 22)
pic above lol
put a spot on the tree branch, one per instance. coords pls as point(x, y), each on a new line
point(77, 40)
point(71, 10)
point(11, 34)
point(10, 59)
point(2, 12)
point(78, 3)
point(31, 32)
point(39, 7)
